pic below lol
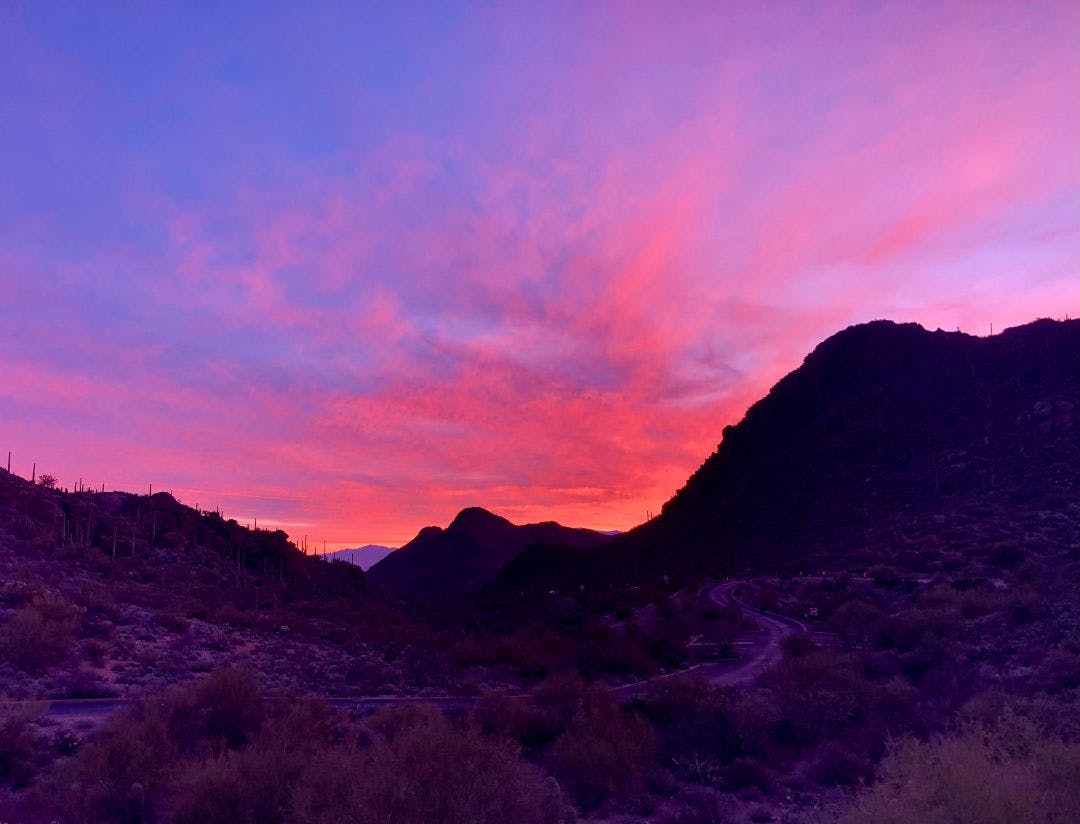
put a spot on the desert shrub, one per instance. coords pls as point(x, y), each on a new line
point(228, 706)
point(606, 651)
point(95, 652)
point(175, 622)
point(565, 698)
point(250, 785)
point(694, 809)
point(602, 754)
point(1059, 670)
point(755, 715)
point(1023, 606)
point(856, 621)
point(894, 703)
point(979, 776)
point(1006, 554)
point(120, 773)
point(40, 633)
point(516, 719)
point(18, 743)
point(693, 725)
point(797, 644)
point(817, 694)
point(81, 683)
point(425, 771)
point(883, 576)
point(256, 783)
point(129, 767)
point(835, 766)
point(748, 772)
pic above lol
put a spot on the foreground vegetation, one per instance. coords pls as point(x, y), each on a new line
point(685, 753)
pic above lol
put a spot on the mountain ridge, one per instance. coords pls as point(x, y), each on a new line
point(467, 555)
point(882, 426)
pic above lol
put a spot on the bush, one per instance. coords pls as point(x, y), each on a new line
point(426, 772)
point(228, 706)
point(257, 783)
point(818, 694)
point(516, 719)
point(883, 576)
point(978, 776)
point(603, 752)
point(797, 645)
point(834, 766)
point(120, 773)
point(18, 743)
point(40, 633)
point(693, 722)
point(128, 769)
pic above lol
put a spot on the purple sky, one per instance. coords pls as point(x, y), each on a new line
point(349, 268)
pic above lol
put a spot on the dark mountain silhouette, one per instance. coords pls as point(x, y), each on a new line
point(469, 553)
point(890, 443)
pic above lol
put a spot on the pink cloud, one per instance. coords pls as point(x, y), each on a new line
point(553, 307)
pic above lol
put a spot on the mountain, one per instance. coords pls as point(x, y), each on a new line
point(890, 443)
point(364, 557)
point(468, 554)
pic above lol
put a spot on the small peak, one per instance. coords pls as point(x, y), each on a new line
point(475, 515)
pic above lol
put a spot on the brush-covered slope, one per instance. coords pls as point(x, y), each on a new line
point(110, 593)
point(889, 442)
point(469, 553)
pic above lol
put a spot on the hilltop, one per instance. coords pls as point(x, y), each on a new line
point(469, 553)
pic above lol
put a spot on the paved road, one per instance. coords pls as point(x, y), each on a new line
point(767, 651)
point(763, 652)
point(93, 709)
point(759, 654)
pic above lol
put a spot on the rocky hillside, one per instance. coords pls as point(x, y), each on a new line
point(889, 444)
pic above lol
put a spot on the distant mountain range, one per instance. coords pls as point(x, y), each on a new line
point(469, 553)
point(889, 442)
point(364, 557)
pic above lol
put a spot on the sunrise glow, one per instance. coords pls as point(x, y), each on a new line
point(349, 271)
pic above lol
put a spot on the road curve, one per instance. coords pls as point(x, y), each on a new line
point(765, 652)
point(768, 650)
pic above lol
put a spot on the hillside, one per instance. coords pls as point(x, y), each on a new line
point(110, 593)
point(889, 443)
point(470, 552)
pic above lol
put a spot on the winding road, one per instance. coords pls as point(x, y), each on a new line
point(760, 652)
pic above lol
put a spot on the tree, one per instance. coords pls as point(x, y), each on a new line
point(47, 481)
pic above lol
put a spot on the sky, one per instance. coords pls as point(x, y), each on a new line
point(347, 268)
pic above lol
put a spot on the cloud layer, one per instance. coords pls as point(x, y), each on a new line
point(349, 271)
